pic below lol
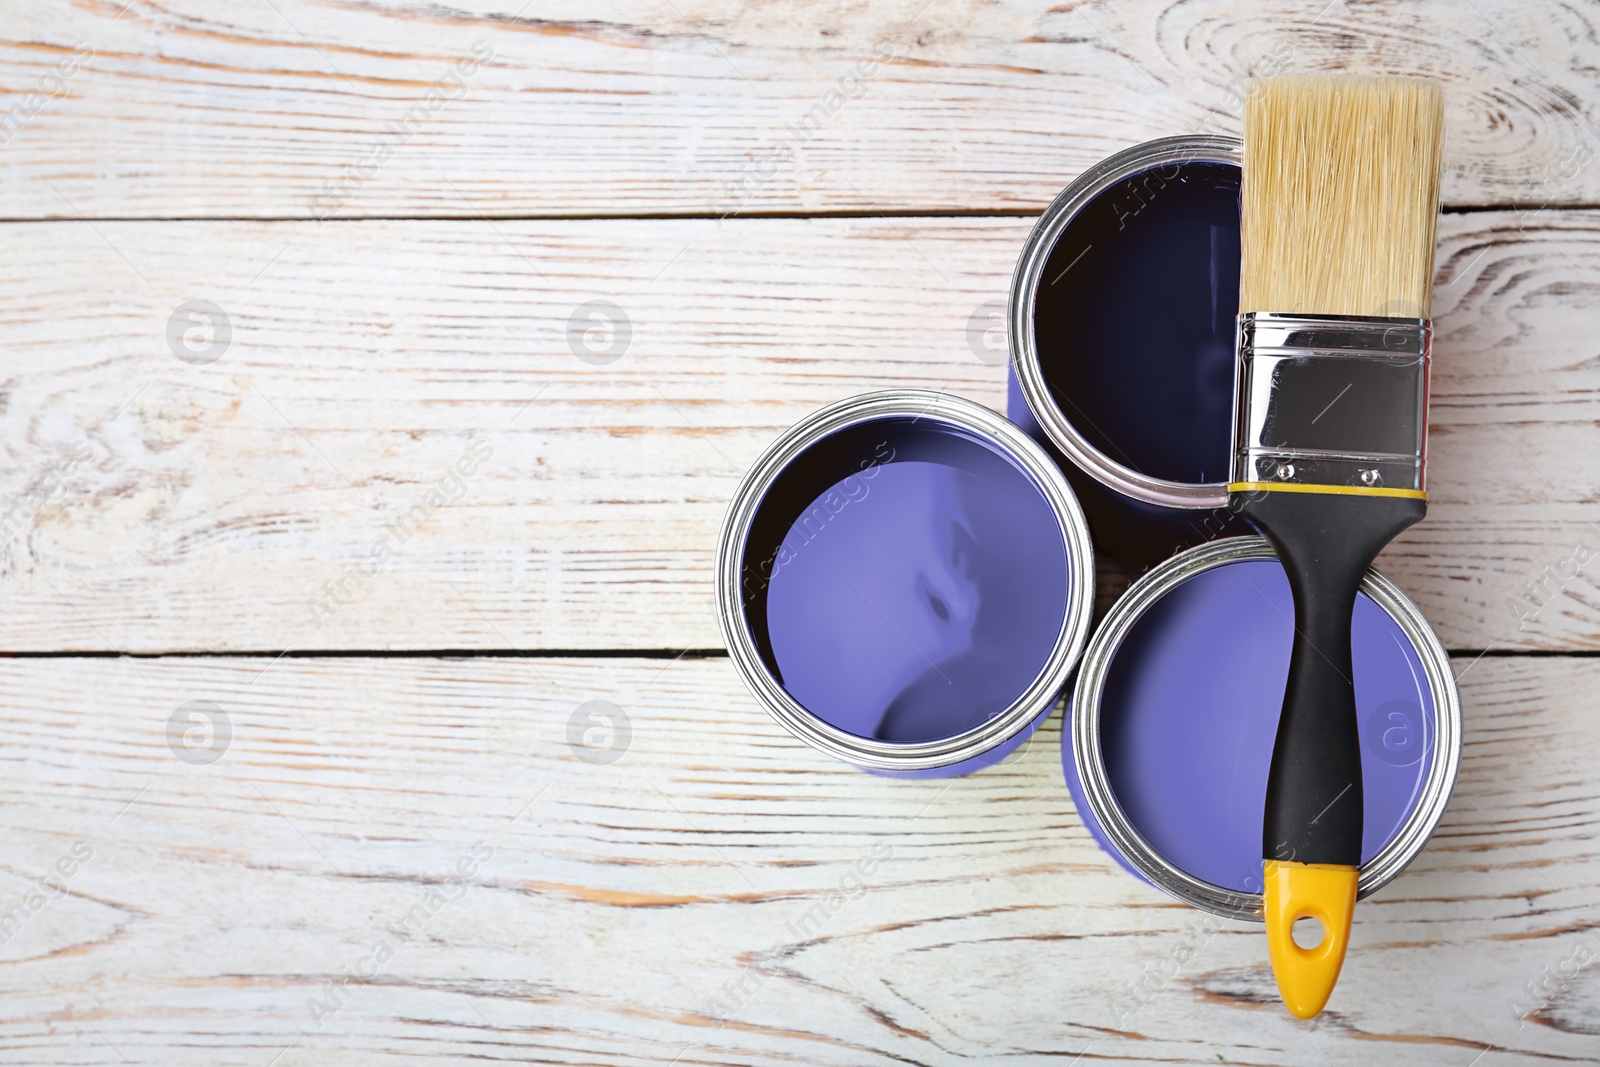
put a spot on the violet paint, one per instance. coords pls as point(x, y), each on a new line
point(1190, 710)
point(905, 581)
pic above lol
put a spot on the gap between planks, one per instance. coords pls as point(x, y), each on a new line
point(669, 216)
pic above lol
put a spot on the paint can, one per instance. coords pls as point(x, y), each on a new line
point(1174, 711)
point(1121, 328)
point(905, 581)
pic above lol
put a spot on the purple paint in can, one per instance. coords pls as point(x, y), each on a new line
point(917, 599)
point(1177, 707)
point(1122, 319)
point(913, 583)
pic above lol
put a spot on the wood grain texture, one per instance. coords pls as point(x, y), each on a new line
point(407, 859)
point(624, 909)
point(224, 108)
point(217, 502)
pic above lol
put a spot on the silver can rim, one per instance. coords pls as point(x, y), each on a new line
point(1084, 716)
point(1025, 290)
point(997, 432)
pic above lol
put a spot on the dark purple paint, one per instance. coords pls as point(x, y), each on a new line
point(1190, 710)
point(1134, 326)
point(917, 598)
point(1139, 332)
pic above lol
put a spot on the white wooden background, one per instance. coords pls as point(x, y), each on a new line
point(168, 527)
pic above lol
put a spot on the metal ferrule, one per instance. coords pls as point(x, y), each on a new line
point(1331, 401)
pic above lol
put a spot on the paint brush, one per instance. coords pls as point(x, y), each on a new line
point(1337, 214)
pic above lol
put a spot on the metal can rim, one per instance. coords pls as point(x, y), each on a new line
point(1084, 720)
point(1191, 148)
point(997, 432)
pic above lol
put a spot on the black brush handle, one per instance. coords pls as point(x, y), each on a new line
point(1326, 542)
point(1311, 837)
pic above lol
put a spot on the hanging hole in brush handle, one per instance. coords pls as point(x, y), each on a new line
point(1308, 932)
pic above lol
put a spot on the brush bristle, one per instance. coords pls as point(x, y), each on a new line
point(1340, 196)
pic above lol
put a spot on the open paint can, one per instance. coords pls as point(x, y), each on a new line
point(905, 580)
point(1175, 709)
point(1121, 327)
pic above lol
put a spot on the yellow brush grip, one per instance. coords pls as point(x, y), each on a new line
point(1325, 892)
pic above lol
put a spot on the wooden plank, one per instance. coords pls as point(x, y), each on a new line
point(615, 913)
point(366, 360)
point(295, 109)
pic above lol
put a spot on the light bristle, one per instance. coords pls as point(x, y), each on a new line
point(1340, 196)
